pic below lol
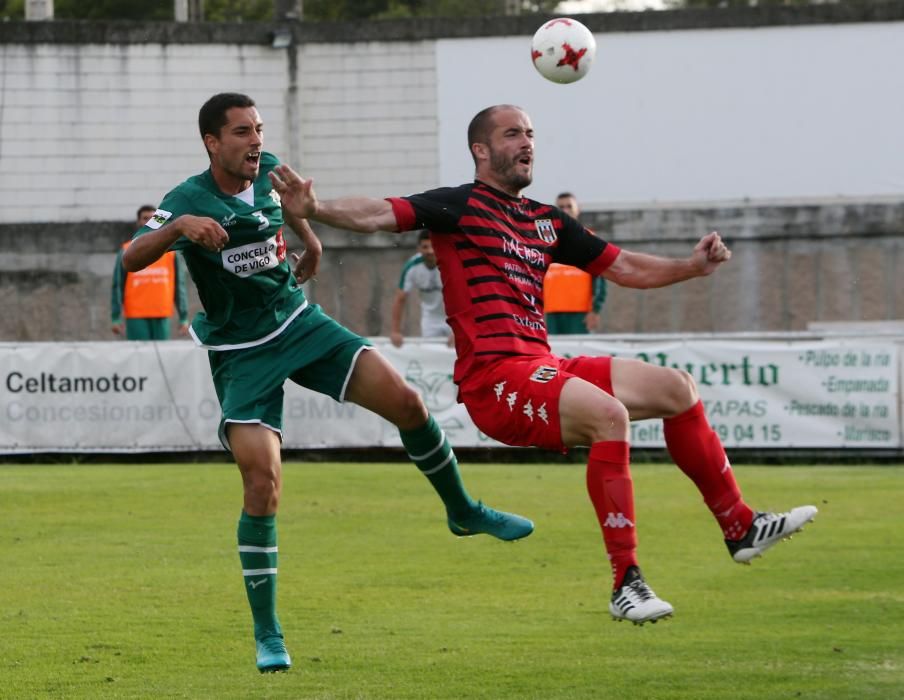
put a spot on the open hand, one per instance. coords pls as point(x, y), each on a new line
point(295, 193)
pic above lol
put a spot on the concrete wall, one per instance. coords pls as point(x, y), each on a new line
point(96, 118)
point(791, 265)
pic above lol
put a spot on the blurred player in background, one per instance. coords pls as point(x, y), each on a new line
point(260, 331)
point(421, 273)
point(146, 299)
point(494, 247)
point(572, 298)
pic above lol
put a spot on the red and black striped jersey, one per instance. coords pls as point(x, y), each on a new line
point(493, 251)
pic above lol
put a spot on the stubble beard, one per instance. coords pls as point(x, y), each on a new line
point(505, 171)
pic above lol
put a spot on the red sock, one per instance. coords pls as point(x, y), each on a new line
point(612, 494)
point(698, 452)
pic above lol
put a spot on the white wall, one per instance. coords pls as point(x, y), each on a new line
point(368, 117)
point(792, 112)
point(88, 132)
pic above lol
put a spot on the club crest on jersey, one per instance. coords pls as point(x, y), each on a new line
point(544, 374)
point(160, 217)
point(546, 230)
point(274, 195)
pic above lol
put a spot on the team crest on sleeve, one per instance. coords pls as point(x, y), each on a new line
point(546, 230)
point(160, 217)
point(544, 374)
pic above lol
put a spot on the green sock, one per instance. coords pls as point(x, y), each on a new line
point(431, 452)
point(258, 554)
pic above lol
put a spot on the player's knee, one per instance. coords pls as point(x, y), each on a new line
point(680, 391)
point(412, 413)
point(262, 488)
point(610, 422)
point(616, 416)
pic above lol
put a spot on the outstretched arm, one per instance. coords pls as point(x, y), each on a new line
point(642, 271)
point(361, 214)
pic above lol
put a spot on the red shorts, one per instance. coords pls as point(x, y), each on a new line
point(516, 401)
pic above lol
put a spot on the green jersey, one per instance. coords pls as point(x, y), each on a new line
point(248, 289)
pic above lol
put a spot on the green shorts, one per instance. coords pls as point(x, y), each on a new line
point(147, 329)
point(314, 351)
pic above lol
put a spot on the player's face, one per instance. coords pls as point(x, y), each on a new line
point(237, 151)
point(511, 150)
point(569, 205)
point(425, 248)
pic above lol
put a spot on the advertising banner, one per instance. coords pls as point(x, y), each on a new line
point(780, 394)
point(147, 397)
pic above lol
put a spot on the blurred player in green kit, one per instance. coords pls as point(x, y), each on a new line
point(260, 330)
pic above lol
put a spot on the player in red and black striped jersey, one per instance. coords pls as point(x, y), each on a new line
point(493, 248)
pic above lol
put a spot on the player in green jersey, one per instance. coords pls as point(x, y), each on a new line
point(260, 330)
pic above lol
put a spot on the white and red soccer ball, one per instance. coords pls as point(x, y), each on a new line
point(563, 50)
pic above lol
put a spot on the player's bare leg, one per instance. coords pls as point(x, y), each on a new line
point(256, 449)
point(649, 391)
point(590, 416)
point(376, 386)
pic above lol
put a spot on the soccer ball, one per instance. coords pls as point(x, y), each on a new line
point(563, 50)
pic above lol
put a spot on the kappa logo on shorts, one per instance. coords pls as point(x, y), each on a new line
point(545, 230)
point(544, 374)
point(540, 412)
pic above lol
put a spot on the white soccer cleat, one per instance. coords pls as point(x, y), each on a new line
point(768, 529)
point(635, 601)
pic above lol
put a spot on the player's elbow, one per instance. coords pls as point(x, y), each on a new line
point(130, 263)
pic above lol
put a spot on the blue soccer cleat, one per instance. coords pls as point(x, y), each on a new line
point(483, 520)
point(272, 655)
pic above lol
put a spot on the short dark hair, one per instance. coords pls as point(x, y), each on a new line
point(212, 116)
point(423, 235)
point(562, 195)
point(144, 207)
point(481, 125)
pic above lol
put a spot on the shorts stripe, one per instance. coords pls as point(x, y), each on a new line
point(222, 431)
point(351, 369)
point(257, 572)
point(250, 343)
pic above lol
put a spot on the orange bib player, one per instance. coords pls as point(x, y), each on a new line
point(572, 299)
point(143, 302)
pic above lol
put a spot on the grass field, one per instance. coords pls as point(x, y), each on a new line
point(122, 581)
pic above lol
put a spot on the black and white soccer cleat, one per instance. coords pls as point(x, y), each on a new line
point(635, 601)
point(767, 530)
